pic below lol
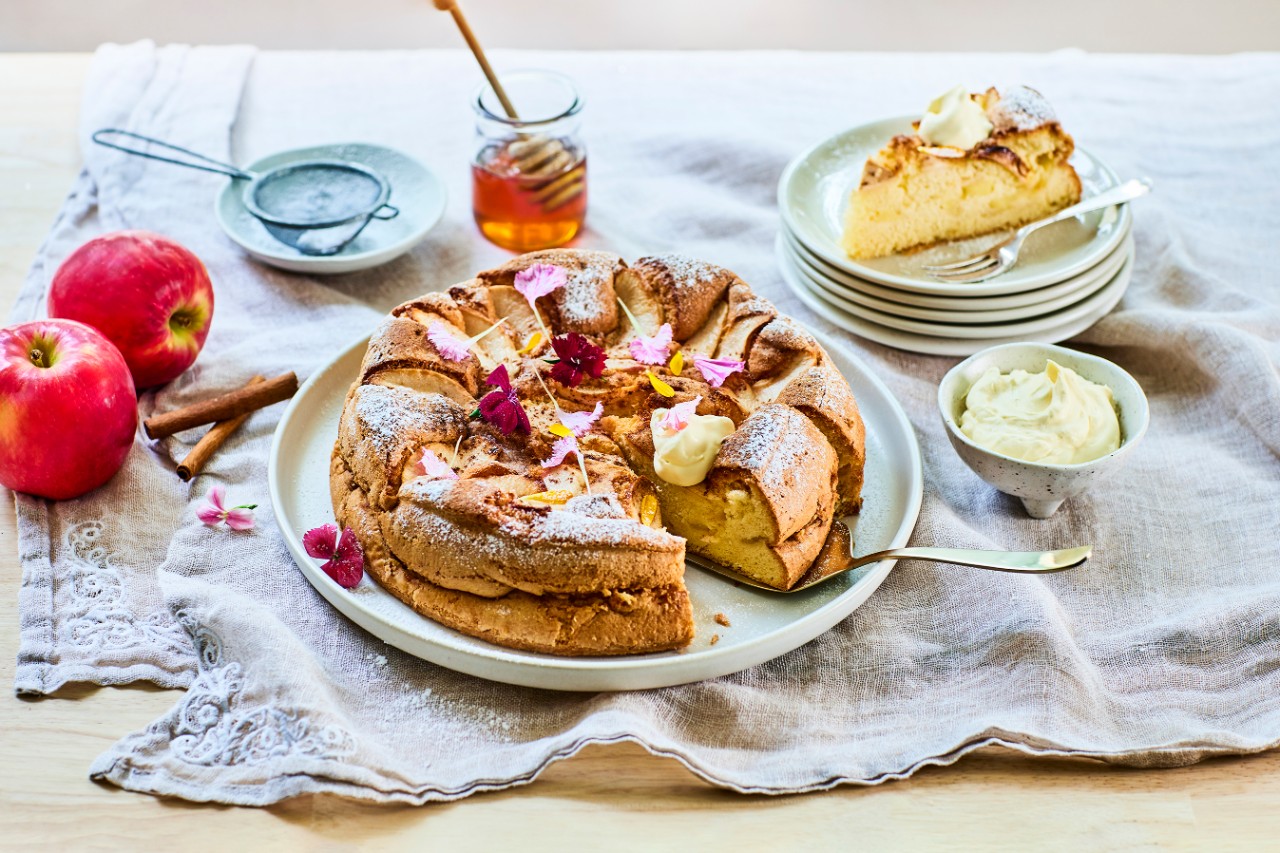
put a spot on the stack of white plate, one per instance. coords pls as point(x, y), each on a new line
point(1068, 277)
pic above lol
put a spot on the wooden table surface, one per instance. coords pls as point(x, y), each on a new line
point(616, 797)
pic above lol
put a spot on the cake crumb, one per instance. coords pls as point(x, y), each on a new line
point(721, 619)
point(715, 638)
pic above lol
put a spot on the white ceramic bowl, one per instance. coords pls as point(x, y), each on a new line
point(1041, 487)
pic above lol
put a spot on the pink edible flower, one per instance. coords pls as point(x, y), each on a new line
point(344, 556)
point(562, 448)
point(677, 417)
point(582, 422)
point(451, 346)
point(717, 370)
point(214, 511)
point(579, 423)
point(434, 468)
point(652, 350)
point(539, 280)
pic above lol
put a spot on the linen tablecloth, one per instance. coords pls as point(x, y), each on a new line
point(1162, 651)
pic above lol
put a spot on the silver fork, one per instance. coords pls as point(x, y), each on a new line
point(1003, 255)
point(1022, 562)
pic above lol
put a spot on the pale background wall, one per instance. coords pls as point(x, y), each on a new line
point(1182, 26)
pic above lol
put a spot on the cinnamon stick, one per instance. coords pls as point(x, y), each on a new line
point(250, 398)
point(209, 443)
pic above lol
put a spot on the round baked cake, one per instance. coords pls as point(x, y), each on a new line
point(526, 457)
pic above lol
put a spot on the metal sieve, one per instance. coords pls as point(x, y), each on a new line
point(314, 206)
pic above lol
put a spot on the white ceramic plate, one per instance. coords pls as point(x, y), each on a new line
point(935, 345)
point(764, 625)
point(815, 188)
point(1081, 287)
point(961, 301)
point(985, 331)
point(415, 190)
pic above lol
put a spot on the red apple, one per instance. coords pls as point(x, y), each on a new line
point(68, 411)
point(151, 297)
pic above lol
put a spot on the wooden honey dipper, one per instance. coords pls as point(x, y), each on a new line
point(535, 156)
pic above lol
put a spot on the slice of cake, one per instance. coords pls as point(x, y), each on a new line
point(976, 164)
point(762, 504)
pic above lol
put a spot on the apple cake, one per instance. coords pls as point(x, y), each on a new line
point(526, 457)
point(976, 164)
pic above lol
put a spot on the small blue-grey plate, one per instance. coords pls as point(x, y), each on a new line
point(415, 190)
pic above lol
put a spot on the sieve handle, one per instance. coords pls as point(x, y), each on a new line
point(387, 211)
point(195, 161)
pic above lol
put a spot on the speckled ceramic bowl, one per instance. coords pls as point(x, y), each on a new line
point(1041, 487)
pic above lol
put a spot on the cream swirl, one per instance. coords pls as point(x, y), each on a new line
point(683, 456)
point(955, 120)
point(1056, 416)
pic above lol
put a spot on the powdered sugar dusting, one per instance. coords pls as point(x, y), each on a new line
point(689, 269)
point(785, 333)
point(572, 526)
point(688, 273)
point(773, 443)
point(584, 521)
point(1020, 108)
point(390, 414)
point(587, 302)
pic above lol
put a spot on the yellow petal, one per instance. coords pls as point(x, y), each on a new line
point(648, 510)
point(677, 363)
point(658, 385)
point(555, 496)
point(560, 430)
point(531, 344)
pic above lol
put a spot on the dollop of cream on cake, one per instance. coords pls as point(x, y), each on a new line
point(683, 456)
point(955, 120)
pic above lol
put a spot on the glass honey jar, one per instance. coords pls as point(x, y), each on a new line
point(529, 173)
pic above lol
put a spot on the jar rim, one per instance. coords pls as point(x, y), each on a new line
point(575, 106)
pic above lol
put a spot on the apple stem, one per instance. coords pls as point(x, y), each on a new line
point(37, 357)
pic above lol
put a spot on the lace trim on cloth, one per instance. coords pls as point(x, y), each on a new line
point(96, 615)
point(95, 627)
point(221, 724)
point(215, 723)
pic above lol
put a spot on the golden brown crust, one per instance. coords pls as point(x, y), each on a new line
point(612, 622)
point(382, 429)
point(1021, 122)
point(510, 545)
point(822, 395)
point(400, 343)
point(587, 303)
point(786, 458)
point(747, 315)
point(429, 307)
point(688, 290)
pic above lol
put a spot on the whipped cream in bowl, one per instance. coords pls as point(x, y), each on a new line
point(1042, 423)
point(1055, 416)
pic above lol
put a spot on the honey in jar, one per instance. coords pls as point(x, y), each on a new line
point(528, 210)
point(529, 173)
